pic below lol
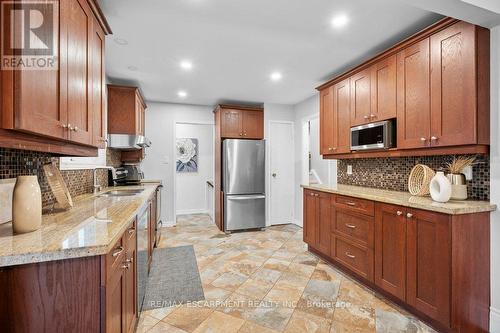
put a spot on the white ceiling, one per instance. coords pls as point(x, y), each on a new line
point(235, 45)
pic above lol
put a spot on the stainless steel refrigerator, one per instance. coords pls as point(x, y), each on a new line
point(243, 183)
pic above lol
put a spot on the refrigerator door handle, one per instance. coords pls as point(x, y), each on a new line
point(245, 197)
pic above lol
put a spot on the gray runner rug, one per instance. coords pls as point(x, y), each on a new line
point(174, 278)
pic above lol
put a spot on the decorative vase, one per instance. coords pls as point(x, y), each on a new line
point(458, 186)
point(26, 205)
point(440, 188)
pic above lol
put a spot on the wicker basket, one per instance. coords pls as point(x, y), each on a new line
point(420, 179)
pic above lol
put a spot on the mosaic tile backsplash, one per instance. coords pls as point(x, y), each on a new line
point(393, 173)
point(15, 163)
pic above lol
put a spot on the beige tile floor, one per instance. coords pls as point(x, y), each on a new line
point(267, 281)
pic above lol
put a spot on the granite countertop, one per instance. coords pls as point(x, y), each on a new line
point(406, 199)
point(90, 228)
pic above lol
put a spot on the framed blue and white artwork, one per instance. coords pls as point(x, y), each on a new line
point(187, 155)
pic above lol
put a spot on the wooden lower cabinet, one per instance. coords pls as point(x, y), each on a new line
point(317, 210)
point(435, 265)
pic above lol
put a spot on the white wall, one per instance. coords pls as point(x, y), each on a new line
point(305, 111)
point(160, 158)
point(495, 179)
point(318, 164)
point(191, 194)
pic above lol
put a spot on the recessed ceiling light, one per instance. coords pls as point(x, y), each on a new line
point(182, 94)
point(132, 68)
point(340, 20)
point(120, 41)
point(186, 64)
point(276, 76)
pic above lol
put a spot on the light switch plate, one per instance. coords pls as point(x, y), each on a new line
point(468, 173)
point(349, 169)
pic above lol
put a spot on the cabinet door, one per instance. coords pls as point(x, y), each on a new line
point(30, 98)
point(390, 249)
point(231, 123)
point(324, 215)
point(327, 122)
point(115, 302)
point(429, 260)
point(98, 93)
point(361, 109)
point(413, 96)
point(384, 89)
point(253, 124)
point(310, 218)
point(453, 86)
point(130, 276)
point(342, 117)
point(76, 62)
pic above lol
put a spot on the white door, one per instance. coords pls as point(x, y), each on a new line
point(281, 172)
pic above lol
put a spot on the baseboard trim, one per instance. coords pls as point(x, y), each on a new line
point(298, 222)
point(191, 211)
point(494, 319)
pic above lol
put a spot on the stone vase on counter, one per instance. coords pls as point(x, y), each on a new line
point(26, 205)
point(440, 188)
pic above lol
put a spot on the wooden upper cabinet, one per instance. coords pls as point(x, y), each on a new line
point(253, 124)
point(326, 122)
point(126, 109)
point(241, 122)
point(98, 87)
point(428, 263)
point(453, 86)
point(335, 119)
point(361, 100)
point(390, 249)
point(383, 89)
point(77, 35)
point(413, 109)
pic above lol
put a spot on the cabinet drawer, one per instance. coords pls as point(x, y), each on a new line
point(115, 257)
point(357, 258)
point(355, 204)
point(354, 225)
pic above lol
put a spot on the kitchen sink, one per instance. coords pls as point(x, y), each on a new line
point(121, 193)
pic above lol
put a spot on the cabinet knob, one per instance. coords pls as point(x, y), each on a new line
point(126, 266)
point(366, 117)
point(409, 215)
point(69, 127)
point(433, 138)
point(64, 126)
point(241, 134)
point(75, 129)
point(330, 148)
point(399, 213)
point(423, 139)
point(372, 116)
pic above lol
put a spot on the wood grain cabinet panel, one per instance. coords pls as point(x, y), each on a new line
point(358, 259)
point(327, 122)
point(453, 86)
point(231, 123)
point(361, 98)
point(310, 218)
point(323, 212)
point(98, 87)
point(413, 109)
point(384, 97)
point(428, 264)
point(130, 277)
point(390, 249)
point(253, 124)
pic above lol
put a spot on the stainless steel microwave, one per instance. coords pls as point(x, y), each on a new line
point(379, 135)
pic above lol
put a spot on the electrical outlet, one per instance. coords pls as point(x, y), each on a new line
point(468, 173)
point(349, 169)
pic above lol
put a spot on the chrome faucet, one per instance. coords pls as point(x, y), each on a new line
point(97, 187)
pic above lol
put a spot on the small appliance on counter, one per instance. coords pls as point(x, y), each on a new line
point(127, 174)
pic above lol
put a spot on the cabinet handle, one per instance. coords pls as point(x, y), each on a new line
point(129, 261)
point(409, 215)
point(350, 226)
point(330, 148)
point(372, 116)
point(241, 134)
point(312, 194)
point(131, 231)
point(433, 138)
point(399, 213)
point(352, 256)
point(366, 117)
point(350, 203)
point(423, 139)
point(126, 266)
point(117, 253)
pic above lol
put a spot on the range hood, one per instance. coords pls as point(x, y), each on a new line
point(127, 142)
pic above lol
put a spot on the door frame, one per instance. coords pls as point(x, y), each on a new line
point(174, 153)
point(269, 164)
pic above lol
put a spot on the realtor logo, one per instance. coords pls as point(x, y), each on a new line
point(29, 35)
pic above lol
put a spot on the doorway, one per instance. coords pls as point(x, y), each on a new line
point(281, 172)
point(194, 169)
